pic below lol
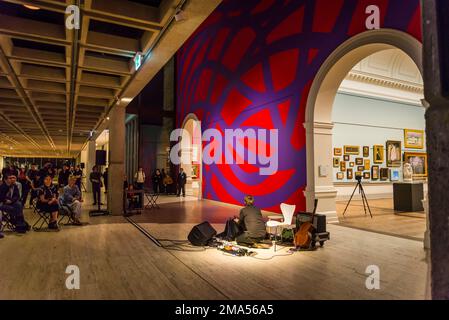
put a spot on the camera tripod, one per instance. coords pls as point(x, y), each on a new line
point(362, 193)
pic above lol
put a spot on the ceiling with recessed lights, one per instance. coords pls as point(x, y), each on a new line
point(56, 84)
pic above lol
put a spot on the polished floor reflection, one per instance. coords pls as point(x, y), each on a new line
point(117, 261)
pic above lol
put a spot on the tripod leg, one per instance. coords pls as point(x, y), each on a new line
point(363, 198)
point(347, 205)
point(366, 200)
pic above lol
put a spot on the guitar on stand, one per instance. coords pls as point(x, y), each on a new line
point(304, 236)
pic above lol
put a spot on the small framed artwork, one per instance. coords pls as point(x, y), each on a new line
point(340, 175)
point(414, 139)
point(394, 152)
point(395, 175)
point(378, 154)
point(346, 157)
point(338, 152)
point(351, 164)
point(375, 172)
point(342, 166)
point(418, 162)
point(366, 175)
point(359, 161)
point(352, 150)
point(361, 168)
point(349, 174)
point(366, 151)
point(384, 174)
point(336, 162)
point(367, 164)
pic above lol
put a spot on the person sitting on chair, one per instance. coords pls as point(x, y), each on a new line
point(11, 204)
point(251, 222)
point(72, 199)
point(48, 202)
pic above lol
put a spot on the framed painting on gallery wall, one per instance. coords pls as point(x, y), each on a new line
point(375, 172)
point(359, 161)
point(351, 164)
point(365, 151)
point(367, 164)
point(342, 166)
point(418, 161)
point(395, 175)
point(352, 150)
point(394, 153)
point(338, 152)
point(360, 168)
point(336, 162)
point(414, 139)
point(340, 175)
point(366, 175)
point(378, 154)
point(384, 174)
point(349, 174)
point(346, 157)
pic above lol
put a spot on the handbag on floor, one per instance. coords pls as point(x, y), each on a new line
point(231, 231)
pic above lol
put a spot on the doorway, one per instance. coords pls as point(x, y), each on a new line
point(191, 155)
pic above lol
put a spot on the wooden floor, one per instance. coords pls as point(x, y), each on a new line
point(117, 261)
point(410, 225)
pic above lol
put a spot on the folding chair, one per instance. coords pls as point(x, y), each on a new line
point(6, 222)
point(65, 213)
point(43, 217)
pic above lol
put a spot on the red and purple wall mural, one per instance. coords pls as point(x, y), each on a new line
point(251, 65)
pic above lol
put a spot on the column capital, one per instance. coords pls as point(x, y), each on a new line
point(319, 127)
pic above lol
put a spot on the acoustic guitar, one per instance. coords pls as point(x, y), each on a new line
point(303, 236)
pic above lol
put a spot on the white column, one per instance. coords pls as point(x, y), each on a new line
point(116, 168)
point(320, 182)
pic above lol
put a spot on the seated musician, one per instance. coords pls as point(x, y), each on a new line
point(251, 222)
point(48, 201)
point(133, 199)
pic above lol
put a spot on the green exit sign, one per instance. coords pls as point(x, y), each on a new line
point(137, 60)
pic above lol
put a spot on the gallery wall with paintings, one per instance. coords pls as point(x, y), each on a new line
point(373, 138)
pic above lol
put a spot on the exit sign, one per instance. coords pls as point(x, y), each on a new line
point(137, 60)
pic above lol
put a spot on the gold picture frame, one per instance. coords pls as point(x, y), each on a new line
point(338, 152)
point(394, 153)
point(414, 139)
point(378, 154)
point(351, 150)
point(367, 164)
point(418, 161)
point(336, 162)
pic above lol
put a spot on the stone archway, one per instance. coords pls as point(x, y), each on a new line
point(192, 128)
point(320, 102)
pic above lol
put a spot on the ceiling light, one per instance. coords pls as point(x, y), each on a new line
point(28, 6)
point(107, 118)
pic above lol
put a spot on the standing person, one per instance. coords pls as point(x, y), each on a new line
point(64, 174)
point(168, 184)
point(13, 171)
point(105, 179)
point(48, 201)
point(157, 180)
point(78, 173)
point(95, 179)
point(5, 172)
point(33, 178)
point(25, 182)
point(163, 185)
point(139, 178)
point(182, 180)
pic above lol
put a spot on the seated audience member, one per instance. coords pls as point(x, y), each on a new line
point(251, 222)
point(10, 203)
point(48, 201)
point(72, 199)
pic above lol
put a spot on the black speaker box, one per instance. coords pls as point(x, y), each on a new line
point(100, 157)
point(201, 234)
point(319, 221)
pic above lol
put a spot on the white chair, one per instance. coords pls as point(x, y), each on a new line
point(287, 223)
